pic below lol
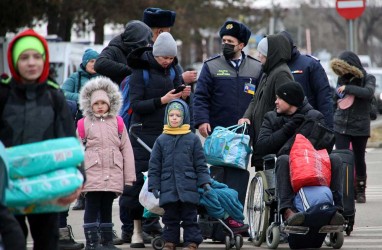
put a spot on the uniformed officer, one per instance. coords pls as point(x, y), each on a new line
point(227, 81)
point(308, 71)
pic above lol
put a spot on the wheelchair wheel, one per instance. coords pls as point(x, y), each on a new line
point(238, 241)
point(273, 237)
point(257, 210)
point(227, 242)
point(336, 240)
point(157, 243)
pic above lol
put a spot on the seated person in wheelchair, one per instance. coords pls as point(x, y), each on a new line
point(277, 131)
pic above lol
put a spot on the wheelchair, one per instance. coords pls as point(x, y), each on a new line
point(266, 223)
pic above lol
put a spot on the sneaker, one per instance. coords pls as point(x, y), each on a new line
point(337, 219)
point(235, 226)
point(293, 219)
point(126, 236)
point(116, 239)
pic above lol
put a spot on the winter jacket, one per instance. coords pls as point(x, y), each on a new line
point(276, 73)
point(178, 166)
point(219, 98)
point(112, 62)
point(308, 71)
point(75, 82)
point(109, 159)
point(32, 112)
point(272, 135)
point(355, 120)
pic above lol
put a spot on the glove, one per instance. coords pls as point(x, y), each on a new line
point(155, 193)
point(206, 187)
point(293, 124)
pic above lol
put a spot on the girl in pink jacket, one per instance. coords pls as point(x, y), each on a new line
point(109, 159)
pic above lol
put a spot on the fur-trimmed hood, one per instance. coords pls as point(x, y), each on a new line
point(109, 87)
point(341, 67)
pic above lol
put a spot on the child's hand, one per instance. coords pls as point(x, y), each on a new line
point(155, 193)
point(206, 187)
point(70, 198)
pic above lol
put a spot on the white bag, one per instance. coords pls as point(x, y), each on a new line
point(148, 200)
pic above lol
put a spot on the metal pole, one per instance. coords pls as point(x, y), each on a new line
point(351, 34)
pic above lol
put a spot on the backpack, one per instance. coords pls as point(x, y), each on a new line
point(81, 128)
point(126, 110)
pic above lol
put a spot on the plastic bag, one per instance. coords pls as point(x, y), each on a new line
point(308, 167)
point(42, 157)
point(148, 200)
point(225, 147)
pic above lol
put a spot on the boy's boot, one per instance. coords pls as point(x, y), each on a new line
point(66, 240)
point(136, 239)
point(80, 203)
point(360, 189)
point(191, 246)
point(106, 231)
point(92, 237)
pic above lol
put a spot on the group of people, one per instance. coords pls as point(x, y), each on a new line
point(273, 95)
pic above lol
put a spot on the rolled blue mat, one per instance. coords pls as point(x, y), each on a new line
point(42, 157)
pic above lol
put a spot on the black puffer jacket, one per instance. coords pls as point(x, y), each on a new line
point(112, 62)
point(354, 120)
point(272, 135)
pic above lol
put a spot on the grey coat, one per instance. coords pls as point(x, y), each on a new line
point(355, 120)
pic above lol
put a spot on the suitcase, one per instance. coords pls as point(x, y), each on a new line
point(236, 179)
point(348, 186)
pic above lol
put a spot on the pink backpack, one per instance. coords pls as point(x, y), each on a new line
point(81, 128)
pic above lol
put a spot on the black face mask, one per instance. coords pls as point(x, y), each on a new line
point(228, 51)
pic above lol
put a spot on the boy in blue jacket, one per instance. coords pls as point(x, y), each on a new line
point(177, 168)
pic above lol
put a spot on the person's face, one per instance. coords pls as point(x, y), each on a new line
point(233, 41)
point(262, 58)
point(175, 118)
point(157, 31)
point(30, 66)
point(164, 61)
point(90, 66)
point(100, 107)
point(282, 107)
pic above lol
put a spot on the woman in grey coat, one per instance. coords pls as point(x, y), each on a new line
point(355, 89)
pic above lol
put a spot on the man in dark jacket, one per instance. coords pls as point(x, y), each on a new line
point(308, 71)
point(112, 62)
point(278, 128)
point(226, 83)
point(274, 52)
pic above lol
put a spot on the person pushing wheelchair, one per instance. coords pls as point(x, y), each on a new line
point(276, 137)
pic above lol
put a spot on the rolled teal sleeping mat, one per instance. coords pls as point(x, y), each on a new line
point(42, 188)
point(42, 157)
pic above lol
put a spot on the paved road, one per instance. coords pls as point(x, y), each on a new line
point(367, 232)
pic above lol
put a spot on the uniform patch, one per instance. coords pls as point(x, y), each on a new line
point(223, 72)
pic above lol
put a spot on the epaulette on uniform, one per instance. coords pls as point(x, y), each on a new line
point(212, 58)
point(315, 58)
point(249, 56)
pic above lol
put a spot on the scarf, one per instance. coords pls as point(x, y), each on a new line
point(182, 130)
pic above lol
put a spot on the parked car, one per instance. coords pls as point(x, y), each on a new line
point(377, 72)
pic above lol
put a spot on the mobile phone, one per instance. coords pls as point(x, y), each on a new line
point(180, 88)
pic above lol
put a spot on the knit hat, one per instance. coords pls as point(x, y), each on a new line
point(99, 95)
point(292, 93)
point(156, 17)
point(175, 106)
point(89, 55)
point(165, 45)
point(235, 29)
point(262, 47)
point(26, 43)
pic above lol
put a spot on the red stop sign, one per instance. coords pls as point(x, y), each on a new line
point(350, 9)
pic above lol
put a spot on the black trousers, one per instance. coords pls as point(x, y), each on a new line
point(44, 230)
point(98, 207)
point(10, 231)
point(179, 214)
